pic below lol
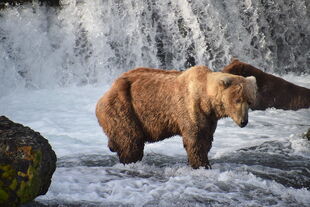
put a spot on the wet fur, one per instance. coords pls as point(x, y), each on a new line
point(149, 105)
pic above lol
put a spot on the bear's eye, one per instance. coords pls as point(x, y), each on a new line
point(249, 102)
point(238, 100)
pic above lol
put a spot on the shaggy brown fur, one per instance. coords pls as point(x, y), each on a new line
point(272, 91)
point(149, 105)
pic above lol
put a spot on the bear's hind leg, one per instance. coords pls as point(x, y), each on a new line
point(127, 139)
point(126, 136)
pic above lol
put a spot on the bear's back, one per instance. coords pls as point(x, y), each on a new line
point(150, 73)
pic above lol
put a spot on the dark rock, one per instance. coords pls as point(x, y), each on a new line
point(306, 135)
point(27, 163)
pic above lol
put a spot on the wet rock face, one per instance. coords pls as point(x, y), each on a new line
point(27, 163)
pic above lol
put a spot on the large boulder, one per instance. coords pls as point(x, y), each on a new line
point(27, 163)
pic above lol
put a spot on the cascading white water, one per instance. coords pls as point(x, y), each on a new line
point(93, 41)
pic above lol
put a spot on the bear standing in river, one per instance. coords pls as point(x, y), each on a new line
point(149, 105)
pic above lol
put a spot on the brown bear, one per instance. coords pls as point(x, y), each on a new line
point(272, 91)
point(149, 105)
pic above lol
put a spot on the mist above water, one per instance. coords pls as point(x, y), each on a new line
point(94, 41)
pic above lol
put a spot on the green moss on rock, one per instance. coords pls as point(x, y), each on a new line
point(27, 164)
point(28, 189)
point(4, 196)
point(28, 186)
point(7, 172)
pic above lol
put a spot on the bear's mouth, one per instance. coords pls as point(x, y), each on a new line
point(243, 123)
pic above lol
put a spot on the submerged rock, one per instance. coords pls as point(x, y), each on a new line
point(306, 135)
point(27, 163)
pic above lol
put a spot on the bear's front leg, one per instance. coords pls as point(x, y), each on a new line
point(197, 149)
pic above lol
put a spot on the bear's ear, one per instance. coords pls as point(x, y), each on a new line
point(226, 81)
point(233, 59)
point(252, 80)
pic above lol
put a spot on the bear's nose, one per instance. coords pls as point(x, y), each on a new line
point(243, 123)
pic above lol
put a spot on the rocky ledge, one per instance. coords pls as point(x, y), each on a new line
point(27, 163)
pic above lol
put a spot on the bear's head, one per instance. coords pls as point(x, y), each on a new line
point(237, 67)
point(234, 95)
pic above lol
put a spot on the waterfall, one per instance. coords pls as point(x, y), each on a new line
point(86, 42)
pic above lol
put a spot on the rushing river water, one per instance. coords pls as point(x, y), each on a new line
point(56, 63)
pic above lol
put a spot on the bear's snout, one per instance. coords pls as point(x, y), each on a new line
point(243, 123)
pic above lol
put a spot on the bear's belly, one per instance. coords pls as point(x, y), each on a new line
point(157, 119)
point(159, 130)
point(155, 135)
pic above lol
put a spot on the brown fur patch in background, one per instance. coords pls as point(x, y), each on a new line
point(272, 91)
